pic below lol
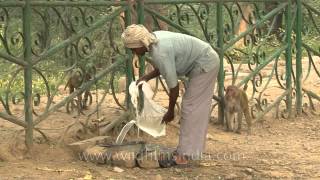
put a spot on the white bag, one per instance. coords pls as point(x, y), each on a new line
point(149, 120)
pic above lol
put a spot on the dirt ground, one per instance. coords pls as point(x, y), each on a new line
point(277, 149)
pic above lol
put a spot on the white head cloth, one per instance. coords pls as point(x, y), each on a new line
point(136, 36)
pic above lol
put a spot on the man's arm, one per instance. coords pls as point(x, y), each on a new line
point(173, 95)
point(151, 75)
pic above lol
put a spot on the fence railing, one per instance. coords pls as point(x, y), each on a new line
point(267, 47)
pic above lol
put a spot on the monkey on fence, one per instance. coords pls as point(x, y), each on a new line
point(236, 101)
point(76, 78)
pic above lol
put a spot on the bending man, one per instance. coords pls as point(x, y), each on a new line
point(174, 55)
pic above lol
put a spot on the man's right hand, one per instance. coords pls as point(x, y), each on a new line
point(147, 77)
point(143, 78)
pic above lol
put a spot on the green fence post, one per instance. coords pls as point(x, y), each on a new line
point(28, 73)
point(129, 55)
point(221, 54)
point(299, 57)
point(289, 57)
point(140, 10)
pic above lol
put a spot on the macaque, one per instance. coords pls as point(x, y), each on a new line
point(74, 82)
point(76, 78)
point(236, 101)
point(90, 72)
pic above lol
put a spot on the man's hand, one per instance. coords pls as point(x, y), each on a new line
point(168, 117)
point(173, 95)
point(143, 78)
point(147, 77)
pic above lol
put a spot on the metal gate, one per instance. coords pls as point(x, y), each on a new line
point(265, 46)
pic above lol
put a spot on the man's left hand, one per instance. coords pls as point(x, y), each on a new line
point(168, 117)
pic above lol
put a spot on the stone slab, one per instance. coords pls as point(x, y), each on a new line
point(81, 146)
point(96, 154)
point(150, 157)
point(124, 159)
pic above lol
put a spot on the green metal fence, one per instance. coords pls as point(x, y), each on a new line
point(266, 51)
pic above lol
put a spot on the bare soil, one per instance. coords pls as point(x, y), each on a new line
point(277, 149)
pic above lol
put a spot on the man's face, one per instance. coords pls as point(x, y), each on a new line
point(139, 51)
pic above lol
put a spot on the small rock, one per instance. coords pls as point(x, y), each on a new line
point(249, 171)
point(118, 170)
point(210, 137)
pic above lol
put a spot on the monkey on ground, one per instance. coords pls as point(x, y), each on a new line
point(236, 101)
point(90, 72)
point(76, 78)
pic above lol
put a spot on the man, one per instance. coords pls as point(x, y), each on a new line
point(173, 55)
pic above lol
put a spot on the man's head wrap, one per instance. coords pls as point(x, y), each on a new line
point(136, 36)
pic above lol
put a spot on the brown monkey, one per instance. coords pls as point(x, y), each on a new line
point(236, 101)
point(76, 78)
point(74, 82)
point(90, 72)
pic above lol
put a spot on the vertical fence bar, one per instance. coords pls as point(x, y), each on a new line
point(221, 53)
point(129, 74)
point(289, 57)
point(140, 12)
point(28, 73)
point(299, 57)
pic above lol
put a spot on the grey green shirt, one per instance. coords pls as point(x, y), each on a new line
point(178, 54)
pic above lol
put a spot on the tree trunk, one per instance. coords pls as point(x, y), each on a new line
point(245, 13)
point(278, 18)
